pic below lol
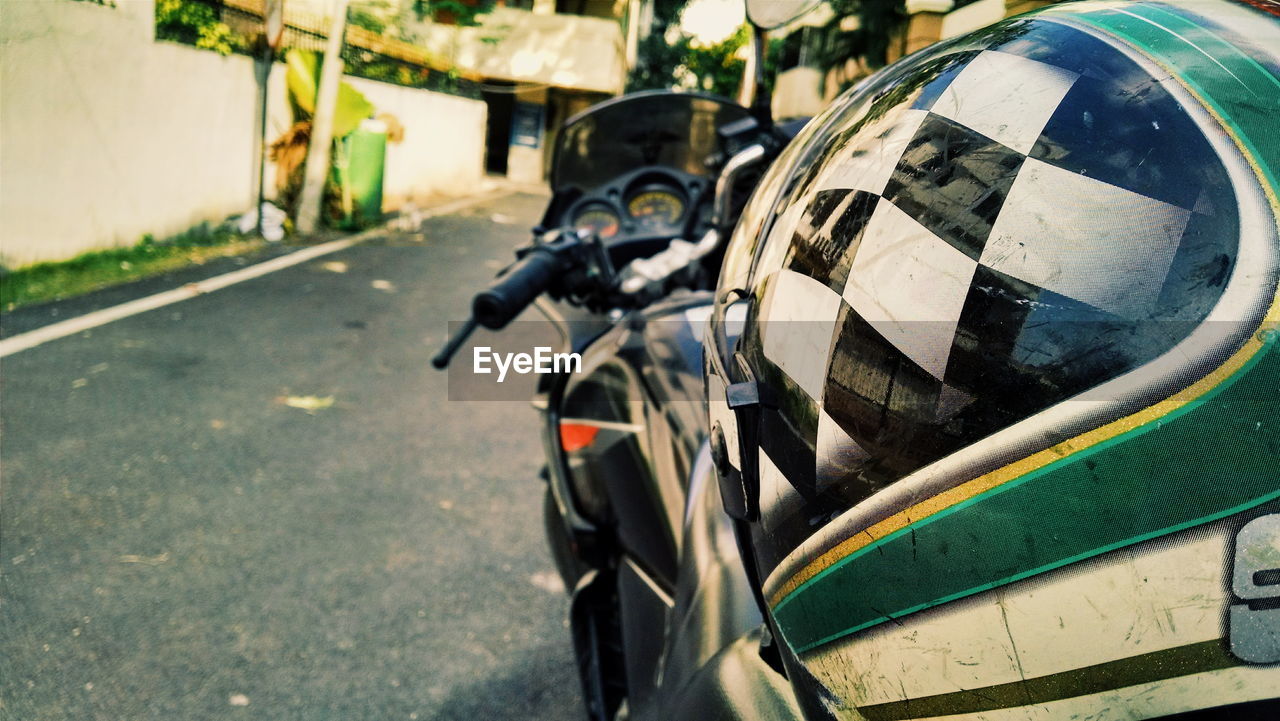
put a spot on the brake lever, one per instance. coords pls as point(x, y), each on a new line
point(441, 360)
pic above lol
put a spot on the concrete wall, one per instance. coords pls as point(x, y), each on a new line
point(106, 135)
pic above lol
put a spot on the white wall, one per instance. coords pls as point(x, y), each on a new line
point(106, 135)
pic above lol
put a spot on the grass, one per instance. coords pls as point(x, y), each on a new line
point(104, 268)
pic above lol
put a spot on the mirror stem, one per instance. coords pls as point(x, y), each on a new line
point(761, 101)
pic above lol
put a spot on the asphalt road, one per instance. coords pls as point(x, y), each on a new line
point(177, 542)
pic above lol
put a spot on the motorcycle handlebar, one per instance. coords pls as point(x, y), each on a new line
point(514, 290)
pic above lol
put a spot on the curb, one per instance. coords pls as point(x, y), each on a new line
point(78, 324)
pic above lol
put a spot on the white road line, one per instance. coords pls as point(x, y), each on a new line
point(71, 326)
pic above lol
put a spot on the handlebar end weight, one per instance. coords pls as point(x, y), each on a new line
point(441, 359)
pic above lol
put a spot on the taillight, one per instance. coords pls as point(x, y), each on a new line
point(576, 436)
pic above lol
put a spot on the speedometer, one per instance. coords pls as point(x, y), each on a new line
point(656, 207)
point(598, 219)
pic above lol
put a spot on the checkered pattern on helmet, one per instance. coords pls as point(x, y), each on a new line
point(1007, 190)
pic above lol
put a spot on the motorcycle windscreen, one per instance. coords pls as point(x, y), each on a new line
point(660, 128)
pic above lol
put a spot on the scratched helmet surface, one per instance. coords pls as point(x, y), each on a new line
point(1006, 333)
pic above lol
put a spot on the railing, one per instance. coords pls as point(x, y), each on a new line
point(365, 53)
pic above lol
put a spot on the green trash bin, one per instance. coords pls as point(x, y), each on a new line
point(358, 164)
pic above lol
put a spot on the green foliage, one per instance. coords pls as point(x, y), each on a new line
point(657, 62)
point(460, 12)
point(376, 67)
point(389, 70)
point(658, 59)
point(385, 18)
point(878, 22)
point(303, 78)
point(718, 68)
point(103, 268)
point(195, 23)
point(713, 68)
point(362, 18)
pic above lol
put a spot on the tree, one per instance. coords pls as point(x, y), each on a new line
point(661, 51)
point(671, 58)
point(668, 57)
point(658, 60)
point(718, 68)
point(869, 38)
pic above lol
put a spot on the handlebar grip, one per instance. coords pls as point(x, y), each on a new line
point(514, 290)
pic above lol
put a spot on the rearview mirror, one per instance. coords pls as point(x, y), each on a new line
point(770, 14)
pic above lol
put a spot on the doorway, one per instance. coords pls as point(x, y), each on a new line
point(500, 99)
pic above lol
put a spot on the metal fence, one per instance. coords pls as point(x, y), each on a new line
point(365, 53)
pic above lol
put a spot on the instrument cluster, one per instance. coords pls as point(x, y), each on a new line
point(647, 204)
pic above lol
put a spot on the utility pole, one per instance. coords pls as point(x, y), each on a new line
point(747, 90)
point(754, 94)
point(317, 168)
point(273, 33)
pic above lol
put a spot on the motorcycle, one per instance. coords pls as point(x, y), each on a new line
point(629, 512)
point(653, 513)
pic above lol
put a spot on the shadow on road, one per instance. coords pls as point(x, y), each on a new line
point(525, 687)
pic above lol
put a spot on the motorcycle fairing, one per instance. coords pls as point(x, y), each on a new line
point(640, 384)
point(687, 611)
point(710, 665)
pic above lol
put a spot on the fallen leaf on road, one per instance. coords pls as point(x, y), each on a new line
point(547, 581)
point(335, 266)
point(386, 285)
point(99, 368)
point(310, 404)
point(503, 219)
point(446, 505)
point(238, 699)
point(146, 560)
point(217, 425)
point(80, 383)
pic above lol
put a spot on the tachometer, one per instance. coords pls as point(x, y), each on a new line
point(599, 219)
point(656, 207)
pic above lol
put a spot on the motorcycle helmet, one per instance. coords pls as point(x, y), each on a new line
point(992, 375)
